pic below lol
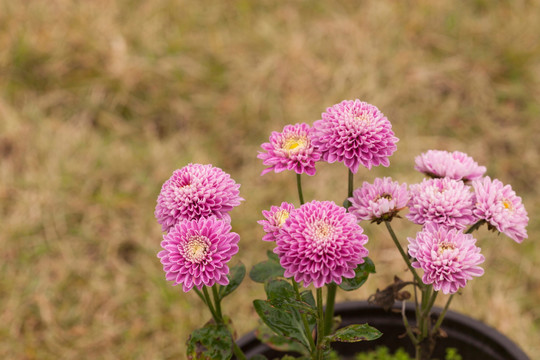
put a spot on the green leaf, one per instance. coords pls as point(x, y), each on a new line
point(361, 272)
point(277, 342)
point(236, 275)
point(282, 322)
point(266, 270)
point(278, 290)
point(211, 342)
point(354, 333)
point(281, 294)
point(272, 256)
point(307, 297)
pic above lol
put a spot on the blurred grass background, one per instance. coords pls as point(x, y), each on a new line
point(101, 100)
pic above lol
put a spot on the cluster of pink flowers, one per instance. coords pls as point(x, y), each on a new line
point(193, 209)
point(352, 132)
point(320, 242)
point(357, 133)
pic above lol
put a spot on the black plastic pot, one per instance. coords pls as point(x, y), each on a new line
point(473, 339)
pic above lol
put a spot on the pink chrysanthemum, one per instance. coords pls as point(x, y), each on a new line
point(320, 243)
point(354, 132)
point(275, 218)
point(456, 165)
point(448, 257)
point(443, 201)
point(291, 149)
point(499, 205)
point(196, 252)
point(196, 191)
point(379, 201)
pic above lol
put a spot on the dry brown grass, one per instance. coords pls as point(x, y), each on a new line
point(101, 100)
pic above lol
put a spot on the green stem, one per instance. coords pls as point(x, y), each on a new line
point(320, 324)
point(429, 306)
point(299, 187)
point(350, 190)
point(238, 352)
point(330, 301)
point(208, 302)
point(307, 330)
point(475, 226)
point(403, 255)
point(218, 317)
point(417, 305)
point(217, 301)
point(441, 316)
point(198, 292)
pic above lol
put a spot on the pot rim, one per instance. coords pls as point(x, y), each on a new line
point(452, 319)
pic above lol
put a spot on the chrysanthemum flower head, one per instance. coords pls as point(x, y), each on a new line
point(454, 165)
point(196, 252)
point(379, 201)
point(499, 205)
point(355, 133)
point(443, 201)
point(275, 218)
point(320, 243)
point(291, 149)
point(196, 191)
point(448, 257)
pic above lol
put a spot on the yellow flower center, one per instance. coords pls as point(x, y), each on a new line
point(294, 144)
point(281, 217)
point(384, 196)
point(507, 204)
point(364, 118)
point(445, 246)
point(323, 232)
point(196, 248)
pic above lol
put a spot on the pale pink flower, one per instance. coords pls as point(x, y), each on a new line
point(448, 257)
point(454, 165)
point(379, 201)
point(442, 201)
point(499, 205)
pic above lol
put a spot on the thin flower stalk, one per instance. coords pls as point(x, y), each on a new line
point(403, 254)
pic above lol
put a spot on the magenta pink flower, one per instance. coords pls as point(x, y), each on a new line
point(499, 205)
point(196, 191)
point(354, 132)
point(455, 165)
point(379, 201)
point(291, 149)
point(196, 252)
point(448, 257)
point(443, 201)
point(320, 243)
point(275, 218)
